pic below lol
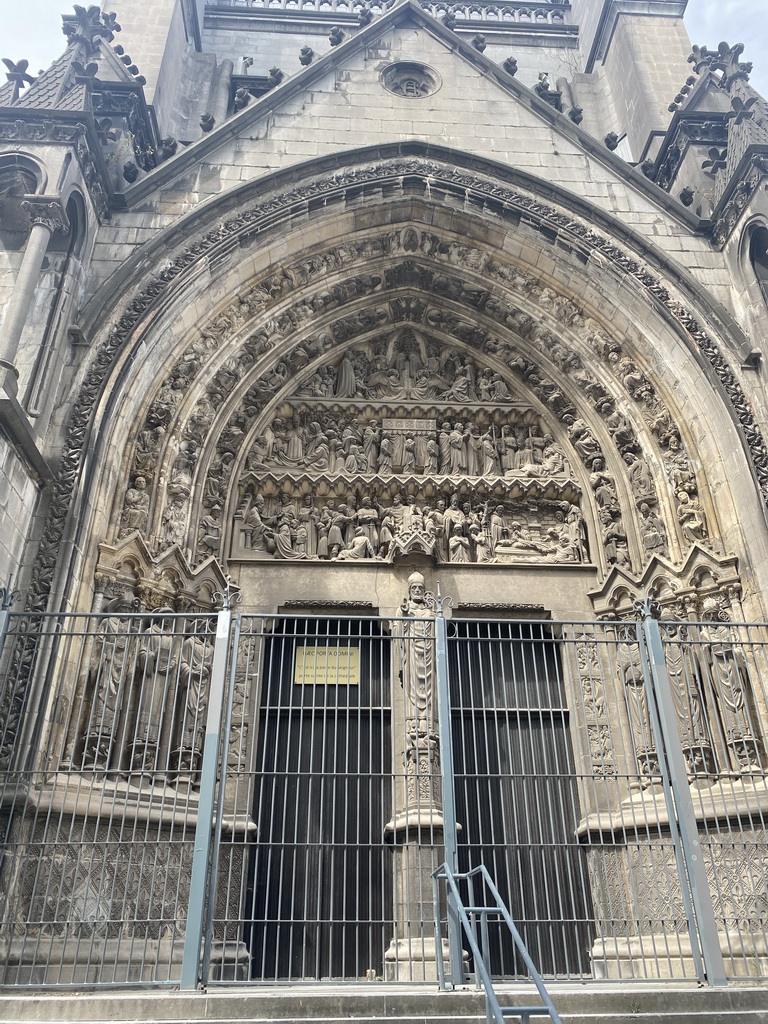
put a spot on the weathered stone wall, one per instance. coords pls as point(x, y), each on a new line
point(18, 503)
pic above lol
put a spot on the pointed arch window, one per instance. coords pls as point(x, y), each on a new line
point(758, 258)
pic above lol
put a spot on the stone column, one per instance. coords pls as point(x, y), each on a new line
point(46, 215)
point(417, 826)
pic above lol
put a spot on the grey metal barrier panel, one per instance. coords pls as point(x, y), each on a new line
point(98, 802)
point(327, 799)
point(331, 820)
point(560, 794)
point(718, 677)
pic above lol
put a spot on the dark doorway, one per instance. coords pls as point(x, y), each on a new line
point(516, 794)
point(320, 887)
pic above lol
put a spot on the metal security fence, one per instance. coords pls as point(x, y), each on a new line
point(228, 798)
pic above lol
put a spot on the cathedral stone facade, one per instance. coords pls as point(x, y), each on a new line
point(314, 295)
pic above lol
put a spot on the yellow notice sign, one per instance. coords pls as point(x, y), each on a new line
point(327, 666)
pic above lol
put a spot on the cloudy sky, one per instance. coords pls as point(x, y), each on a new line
point(31, 29)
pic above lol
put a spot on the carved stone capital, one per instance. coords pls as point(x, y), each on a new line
point(46, 210)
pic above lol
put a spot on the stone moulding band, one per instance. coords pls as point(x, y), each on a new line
point(483, 192)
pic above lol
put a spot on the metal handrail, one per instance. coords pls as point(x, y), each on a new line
point(494, 1010)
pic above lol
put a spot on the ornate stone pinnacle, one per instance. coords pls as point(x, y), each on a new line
point(17, 74)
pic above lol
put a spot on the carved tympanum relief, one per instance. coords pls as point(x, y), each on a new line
point(404, 358)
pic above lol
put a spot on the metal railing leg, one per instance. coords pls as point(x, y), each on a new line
point(449, 798)
point(671, 753)
point(198, 888)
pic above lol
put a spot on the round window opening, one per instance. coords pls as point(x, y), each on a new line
point(411, 79)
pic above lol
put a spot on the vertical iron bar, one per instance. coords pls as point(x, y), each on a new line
point(669, 743)
point(198, 889)
point(450, 838)
point(219, 816)
point(669, 801)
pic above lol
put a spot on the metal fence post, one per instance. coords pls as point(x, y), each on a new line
point(199, 887)
point(670, 749)
point(450, 837)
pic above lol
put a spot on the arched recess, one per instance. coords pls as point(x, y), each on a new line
point(579, 332)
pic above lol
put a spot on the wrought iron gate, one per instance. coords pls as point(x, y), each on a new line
point(270, 790)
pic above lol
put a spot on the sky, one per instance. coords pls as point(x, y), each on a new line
point(31, 29)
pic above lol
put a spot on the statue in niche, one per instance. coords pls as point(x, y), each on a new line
point(183, 468)
point(371, 442)
point(618, 425)
point(386, 454)
point(603, 486)
point(257, 528)
point(614, 539)
point(432, 456)
point(690, 515)
point(190, 725)
point(308, 517)
point(409, 456)
point(359, 547)
point(386, 533)
point(491, 464)
point(367, 520)
point(679, 468)
point(458, 545)
point(166, 674)
point(726, 667)
point(686, 694)
point(640, 479)
point(458, 450)
point(110, 676)
point(136, 508)
point(582, 439)
point(175, 520)
point(416, 633)
point(209, 532)
point(577, 531)
point(632, 677)
point(340, 519)
point(147, 454)
point(652, 531)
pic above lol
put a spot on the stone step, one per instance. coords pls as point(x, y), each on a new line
point(387, 1004)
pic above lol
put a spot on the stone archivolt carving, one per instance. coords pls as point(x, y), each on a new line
point(506, 199)
point(406, 374)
